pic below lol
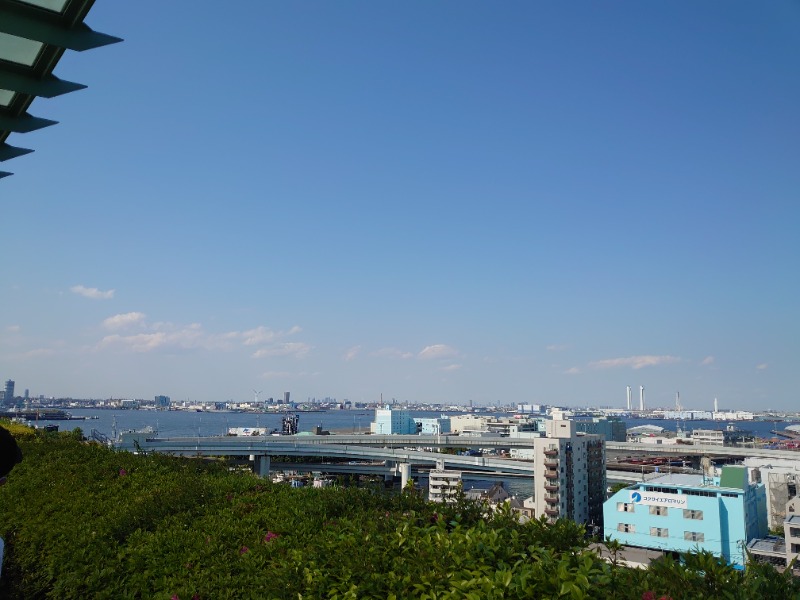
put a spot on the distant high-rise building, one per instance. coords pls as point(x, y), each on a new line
point(162, 401)
point(641, 397)
point(8, 398)
point(629, 397)
point(286, 397)
point(27, 394)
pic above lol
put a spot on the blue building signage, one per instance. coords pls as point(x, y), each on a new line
point(658, 499)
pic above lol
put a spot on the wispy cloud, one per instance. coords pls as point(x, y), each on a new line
point(450, 368)
point(351, 353)
point(557, 347)
point(437, 351)
point(123, 320)
point(708, 360)
point(634, 362)
point(175, 338)
point(295, 349)
point(572, 371)
point(762, 366)
point(13, 329)
point(92, 293)
point(392, 353)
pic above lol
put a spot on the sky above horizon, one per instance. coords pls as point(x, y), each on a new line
point(517, 202)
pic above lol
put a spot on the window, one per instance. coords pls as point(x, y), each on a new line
point(660, 511)
point(626, 528)
point(625, 507)
point(694, 536)
point(659, 532)
point(794, 532)
point(688, 513)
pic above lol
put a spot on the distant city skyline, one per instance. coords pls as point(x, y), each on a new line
point(518, 203)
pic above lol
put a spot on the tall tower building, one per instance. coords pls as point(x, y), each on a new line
point(9, 394)
point(628, 389)
point(641, 397)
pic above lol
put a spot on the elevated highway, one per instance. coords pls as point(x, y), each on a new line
point(330, 447)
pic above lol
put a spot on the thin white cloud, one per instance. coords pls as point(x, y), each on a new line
point(13, 329)
point(170, 336)
point(557, 347)
point(392, 353)
point(259, 335)
point(449, 368)
point(634, 362)
point(762, 366)
point(295, 349)
point(437, 351)
point(351, 353)
point(123, 320)
point(92, 293)
point(708, 360)
point(572, 371)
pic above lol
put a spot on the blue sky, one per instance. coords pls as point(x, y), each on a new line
point(433, 201)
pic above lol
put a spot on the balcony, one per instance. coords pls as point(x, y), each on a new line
point(551, 464)
point(551, 499)
point(551, 512)
point(552, 452)
point(550, 487)
point(551, 474)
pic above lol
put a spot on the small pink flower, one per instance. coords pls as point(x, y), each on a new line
point(122, 472)
point(195, 596)
point(243, 550)
point(174, 597)
point(649, 596)
point(270, 536)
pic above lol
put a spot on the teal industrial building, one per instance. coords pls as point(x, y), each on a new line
point(719, 511)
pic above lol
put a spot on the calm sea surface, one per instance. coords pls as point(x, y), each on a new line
point(179, 423)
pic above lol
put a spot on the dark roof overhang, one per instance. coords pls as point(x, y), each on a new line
point(33, 36)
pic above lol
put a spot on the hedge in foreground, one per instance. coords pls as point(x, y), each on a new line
point(82, 521)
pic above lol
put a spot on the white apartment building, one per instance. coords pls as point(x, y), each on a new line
point(443, 485)
point(572, 481)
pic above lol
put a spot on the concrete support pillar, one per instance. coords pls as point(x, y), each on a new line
point(261, 465)
point(405, 474)
point(389, 475)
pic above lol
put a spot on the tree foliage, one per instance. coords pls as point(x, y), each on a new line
point(81, 520)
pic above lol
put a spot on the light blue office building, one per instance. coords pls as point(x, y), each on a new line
point(389, 421)
point(719, 512)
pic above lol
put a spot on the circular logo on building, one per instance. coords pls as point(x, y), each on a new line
point(636, 496)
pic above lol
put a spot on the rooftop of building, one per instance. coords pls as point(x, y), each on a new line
point(731, 478)
point(768, 545)
point(793, 519)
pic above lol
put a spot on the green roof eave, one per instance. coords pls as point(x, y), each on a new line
point(8, 152)
point(78, 38)
point(49, 87)
point(24, 123)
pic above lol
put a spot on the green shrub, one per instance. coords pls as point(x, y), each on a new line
point(83, 521)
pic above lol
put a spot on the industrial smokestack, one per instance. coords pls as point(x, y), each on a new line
point(641, 398)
